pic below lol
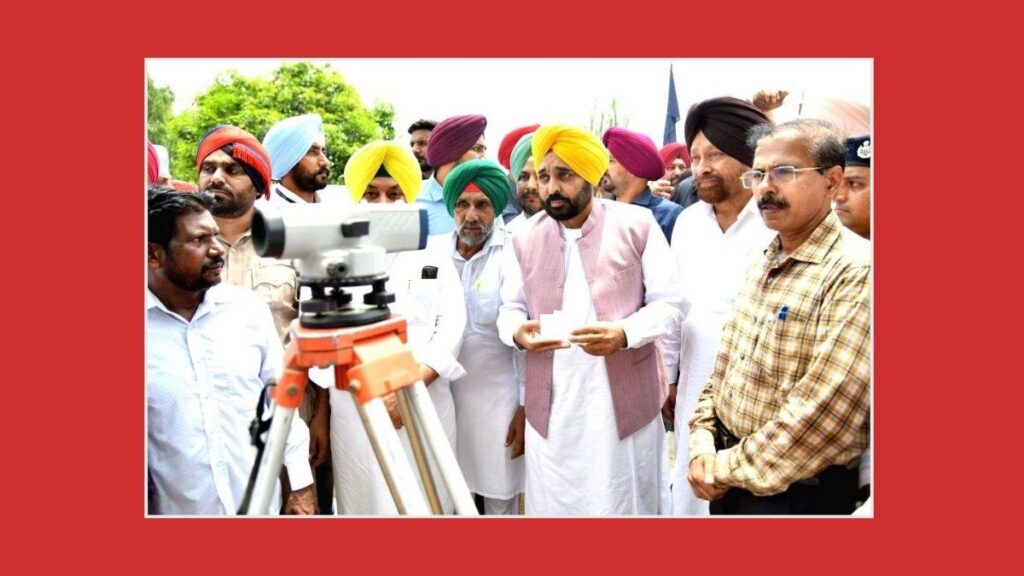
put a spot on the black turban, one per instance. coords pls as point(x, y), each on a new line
point(725, 122)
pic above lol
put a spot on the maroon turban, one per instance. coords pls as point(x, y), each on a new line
point(509, 142)
point(152, 164)
point(672, 151)
point(725, 122)
point(453, 137)
point(635, 151)
point(244, 148)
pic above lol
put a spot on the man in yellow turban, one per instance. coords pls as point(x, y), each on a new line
point(428, 294)
point(382, 171)
point(589, 287)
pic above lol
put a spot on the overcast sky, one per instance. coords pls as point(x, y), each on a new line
point(516, 92)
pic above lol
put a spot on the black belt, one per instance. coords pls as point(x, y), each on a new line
point(724, 438)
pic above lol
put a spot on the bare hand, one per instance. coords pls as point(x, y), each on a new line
point(428, 374)
point(391, 403)
point(600, 338)
point(302, 502)
point(528, 338)
point(767, 100)
point(669, 408)
point(517, 433)
point(702, 478)
point(663, 188)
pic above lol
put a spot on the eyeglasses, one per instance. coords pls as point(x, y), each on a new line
point(777, 176)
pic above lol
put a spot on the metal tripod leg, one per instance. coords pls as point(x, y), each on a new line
point(444, 456)
point(416, 440)
point(391, 457)
point(270, 465)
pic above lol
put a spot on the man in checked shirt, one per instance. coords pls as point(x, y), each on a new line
point(786, 411)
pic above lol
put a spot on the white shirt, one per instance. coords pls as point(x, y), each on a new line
point(435, 313)
point(487, 397)
point(712, 265)
point(203, 381)
point(332, 194)
point(582, 467)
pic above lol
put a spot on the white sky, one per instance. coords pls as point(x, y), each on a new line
point(516, 92)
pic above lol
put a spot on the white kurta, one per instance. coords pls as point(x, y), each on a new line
point(582, 468)
point(712, 265)
point(487, 397)
point(436, 315)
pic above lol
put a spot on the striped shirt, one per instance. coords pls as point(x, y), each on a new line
point(792, 375)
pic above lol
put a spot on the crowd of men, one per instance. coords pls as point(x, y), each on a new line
point(573, 299)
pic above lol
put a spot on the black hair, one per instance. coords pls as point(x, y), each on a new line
point(827, 147)
point(422, 125)
point(166, 205)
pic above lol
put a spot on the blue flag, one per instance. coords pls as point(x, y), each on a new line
point(672, 111)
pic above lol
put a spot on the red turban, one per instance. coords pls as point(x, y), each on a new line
point(675, 150)
point(244, 148)
point(152, 164)
point(509, 142)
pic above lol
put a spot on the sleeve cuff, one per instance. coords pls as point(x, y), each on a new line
point(631, 332)
point(672, 374)
point(300, 474)
point(445, 365)
point(701, 442)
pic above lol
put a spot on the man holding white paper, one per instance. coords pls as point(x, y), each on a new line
point(595, 443)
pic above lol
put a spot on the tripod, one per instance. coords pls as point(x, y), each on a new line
point(370, 361)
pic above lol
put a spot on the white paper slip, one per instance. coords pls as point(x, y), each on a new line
point(554, 326)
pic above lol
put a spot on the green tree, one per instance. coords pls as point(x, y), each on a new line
point(158, 112)
point(255, 104)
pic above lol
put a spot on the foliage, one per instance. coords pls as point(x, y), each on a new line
point(255, 104)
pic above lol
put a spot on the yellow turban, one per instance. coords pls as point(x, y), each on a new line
point(579, 149)
point(398, 160)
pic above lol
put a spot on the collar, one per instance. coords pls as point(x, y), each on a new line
point(495, 240)
point(432, 190)
point(646, 198)
point(281, 192)
point(214, 296)
point(818, 245)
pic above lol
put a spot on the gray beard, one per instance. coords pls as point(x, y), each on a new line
point(473, 239)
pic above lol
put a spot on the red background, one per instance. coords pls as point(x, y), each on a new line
point(75, 111)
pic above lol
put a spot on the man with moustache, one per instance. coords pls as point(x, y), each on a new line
point(298, 159)
point(211, 348)
point(853, 200)
point(419, 142)
point(524, 173)
point(453, 141)
point(237, 169)
point(298, 155)
point(635, 161)
point(489, 415)
point(853, 207)
point(428, 294)
point(677, 167)
point(595, 443)
point(714, 242)
point(784, 416)
point(514, 208)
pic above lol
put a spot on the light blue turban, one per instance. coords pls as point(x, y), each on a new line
point(289, 140)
